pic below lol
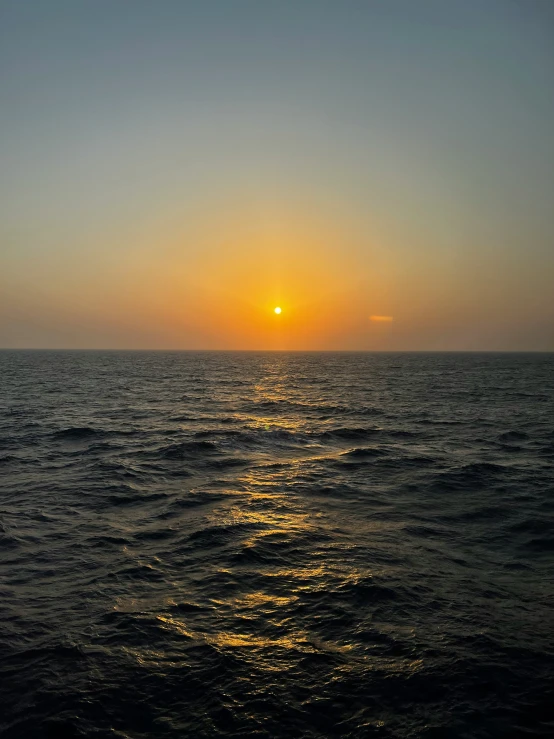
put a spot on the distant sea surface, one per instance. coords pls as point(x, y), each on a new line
point(276, 545)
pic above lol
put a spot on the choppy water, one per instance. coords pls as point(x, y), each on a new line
point(276, 545)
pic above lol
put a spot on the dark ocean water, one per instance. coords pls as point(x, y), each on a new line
point(276, 545)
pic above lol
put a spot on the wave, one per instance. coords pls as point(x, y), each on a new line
point(7, 539)
point(77, 433)
point(186, 449)
point(470, 476)
point(350, 433)
point(129, 495)
point(10, 458)
point(546, 451)
point(509, 436)
point(363, 453)
point(542, 544)
point(367, 590)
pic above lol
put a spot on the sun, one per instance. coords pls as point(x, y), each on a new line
point(277, 310)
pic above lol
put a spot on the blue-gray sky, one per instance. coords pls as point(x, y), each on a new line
point(171, 169)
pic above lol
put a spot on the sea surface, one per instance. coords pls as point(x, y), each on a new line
point(276, 545)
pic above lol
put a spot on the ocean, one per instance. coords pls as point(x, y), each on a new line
point(220, 544)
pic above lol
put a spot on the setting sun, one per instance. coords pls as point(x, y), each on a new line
point(277, 310)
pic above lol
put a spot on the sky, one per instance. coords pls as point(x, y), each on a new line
point(172, 170)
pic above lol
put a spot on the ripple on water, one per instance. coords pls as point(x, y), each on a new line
point(276, 545)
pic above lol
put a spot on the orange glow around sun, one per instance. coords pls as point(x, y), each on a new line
point(284, 271)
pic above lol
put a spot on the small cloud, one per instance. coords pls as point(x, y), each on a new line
point(381, 318)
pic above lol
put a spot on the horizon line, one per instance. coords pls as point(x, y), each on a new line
point(284, 351)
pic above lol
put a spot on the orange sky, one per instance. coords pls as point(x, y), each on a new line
point(168, 179)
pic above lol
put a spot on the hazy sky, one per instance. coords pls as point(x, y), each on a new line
point(170, 171)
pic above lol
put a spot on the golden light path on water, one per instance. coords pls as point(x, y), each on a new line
point(261, 511)
point(265, 507)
